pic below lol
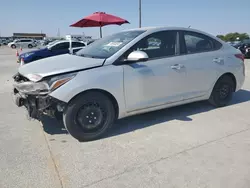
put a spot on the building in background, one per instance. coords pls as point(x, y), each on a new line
point(29, 35)
point(83, 38)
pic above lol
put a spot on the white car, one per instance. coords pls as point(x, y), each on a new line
point(22, 43)
point(122, 75)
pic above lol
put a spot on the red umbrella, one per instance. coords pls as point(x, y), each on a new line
point(99, 19)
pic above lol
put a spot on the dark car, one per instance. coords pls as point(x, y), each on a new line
point(242, 46)
point(247, 53)
point(53, 49)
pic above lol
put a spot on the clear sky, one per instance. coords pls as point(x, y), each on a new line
point(213, 16)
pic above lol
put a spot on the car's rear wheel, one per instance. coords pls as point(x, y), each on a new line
point(222, 92)
point(13, 46)
point(30, 46)
point(89, 116)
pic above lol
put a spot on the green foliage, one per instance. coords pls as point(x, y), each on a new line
point(230, 37)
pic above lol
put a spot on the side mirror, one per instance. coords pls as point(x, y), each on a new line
point(137, 56)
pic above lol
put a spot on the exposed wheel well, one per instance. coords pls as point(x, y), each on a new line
point(232, 77)
point(109, 95)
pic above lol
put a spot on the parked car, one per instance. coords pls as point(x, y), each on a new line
point(3, 42)
point(23, 43)
point(247, 53)
point(53, 49)
point(242, 46)
point(122, 75)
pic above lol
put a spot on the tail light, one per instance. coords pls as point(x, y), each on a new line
point(240, 56)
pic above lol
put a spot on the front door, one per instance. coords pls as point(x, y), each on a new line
point(159, 80)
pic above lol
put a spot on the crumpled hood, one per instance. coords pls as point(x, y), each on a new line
point(59, 64)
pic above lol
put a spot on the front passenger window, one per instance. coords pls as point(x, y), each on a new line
point(157, 45)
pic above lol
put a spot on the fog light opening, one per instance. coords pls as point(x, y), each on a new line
point(60, 108)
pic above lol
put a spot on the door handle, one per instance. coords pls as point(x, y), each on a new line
point(177, 66)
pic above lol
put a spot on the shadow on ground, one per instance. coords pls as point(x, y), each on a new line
point(182, 113)
point(53, 126)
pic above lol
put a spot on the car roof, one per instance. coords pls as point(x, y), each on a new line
point(153, 29)
point(156, 29)
point(24, 39)
point(60, 41)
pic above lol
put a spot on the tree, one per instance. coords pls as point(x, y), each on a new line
point(222, 37)
point(234, 37)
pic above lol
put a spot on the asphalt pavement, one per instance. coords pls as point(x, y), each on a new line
point(189, 146)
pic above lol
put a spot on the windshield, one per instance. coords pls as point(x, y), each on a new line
point(108, 46)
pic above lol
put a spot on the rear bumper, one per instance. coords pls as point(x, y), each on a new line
point(240, 79)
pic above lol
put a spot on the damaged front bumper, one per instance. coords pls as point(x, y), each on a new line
point(37, 103)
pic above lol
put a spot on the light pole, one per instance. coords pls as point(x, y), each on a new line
point(139, 13)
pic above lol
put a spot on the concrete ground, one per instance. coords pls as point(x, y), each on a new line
point(189, 146)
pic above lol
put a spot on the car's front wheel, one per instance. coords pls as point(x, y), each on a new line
point(222, 92)
point(13, 46)
point(30, 46)
point(89, 116)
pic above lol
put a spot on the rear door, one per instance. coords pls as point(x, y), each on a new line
point(202, 59)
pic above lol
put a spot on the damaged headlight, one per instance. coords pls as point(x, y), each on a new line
point(34, 77)
point(32, 88)
point(38, 87)
point(57, 81)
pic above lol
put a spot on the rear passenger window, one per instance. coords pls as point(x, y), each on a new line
point(196, 42)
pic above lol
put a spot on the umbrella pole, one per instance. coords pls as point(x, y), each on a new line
point(100, 32)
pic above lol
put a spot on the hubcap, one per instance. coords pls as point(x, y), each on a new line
point(224, 91)
point(91, 117)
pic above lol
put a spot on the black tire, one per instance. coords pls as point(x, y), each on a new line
point(84, 105)
point(30, 46)
point(222, 92)
point(13, 46)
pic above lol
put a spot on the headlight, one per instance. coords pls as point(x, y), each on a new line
point(32, 88)
point(34, 77)
point(28, 54)
point(44, 87)
point(57, 81)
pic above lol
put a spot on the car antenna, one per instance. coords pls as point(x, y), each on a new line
point(189, 26)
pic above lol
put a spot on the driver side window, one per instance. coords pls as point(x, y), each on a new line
point(61, 46)
point(157, 45)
